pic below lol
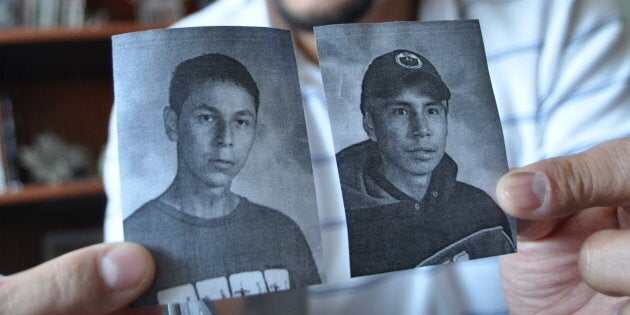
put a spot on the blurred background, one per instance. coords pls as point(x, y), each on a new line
point(625, 5)
point(56, 94)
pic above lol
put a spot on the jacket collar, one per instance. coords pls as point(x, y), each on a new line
point(441, 184)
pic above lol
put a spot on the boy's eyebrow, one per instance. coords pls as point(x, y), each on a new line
point(434, 103)
point(398, 103)
point(204, 106)
point(405, 103)
point(245, 112)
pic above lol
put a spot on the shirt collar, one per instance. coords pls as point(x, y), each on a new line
point(439, 10)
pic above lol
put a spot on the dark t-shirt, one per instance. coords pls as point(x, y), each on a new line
point(252, 250)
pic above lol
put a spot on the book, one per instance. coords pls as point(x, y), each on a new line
point(29, 13)
point(48, 13)
point(9, 142)
point(72, 13)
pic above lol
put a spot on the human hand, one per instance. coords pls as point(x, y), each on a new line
point(574, 239)
point(96, 280)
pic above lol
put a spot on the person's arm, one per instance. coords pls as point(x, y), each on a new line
point(96, 280)
point(574, 230)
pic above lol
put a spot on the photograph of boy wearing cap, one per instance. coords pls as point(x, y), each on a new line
point(404, 206)
point(207, 241)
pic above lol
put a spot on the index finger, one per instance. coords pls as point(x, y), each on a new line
point(562, 186)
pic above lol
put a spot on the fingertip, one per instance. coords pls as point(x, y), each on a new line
point(521, 193)
point(126, 266)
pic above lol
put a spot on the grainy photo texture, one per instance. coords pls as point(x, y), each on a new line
point(419, 143)
point(216, 174)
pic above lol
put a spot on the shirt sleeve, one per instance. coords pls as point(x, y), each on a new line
point(585, 71)
point(559, 71)
point(304, 263)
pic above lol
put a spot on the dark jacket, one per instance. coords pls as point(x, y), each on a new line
point(389, 230)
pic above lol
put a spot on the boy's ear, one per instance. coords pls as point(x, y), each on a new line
point(368, 125)
point(170, 123)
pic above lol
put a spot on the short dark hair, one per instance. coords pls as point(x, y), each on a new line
point(216, 67)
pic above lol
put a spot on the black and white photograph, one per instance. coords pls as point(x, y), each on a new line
point(418, 143)
point(216, 174)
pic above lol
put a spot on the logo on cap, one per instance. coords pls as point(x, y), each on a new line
point(408, 60)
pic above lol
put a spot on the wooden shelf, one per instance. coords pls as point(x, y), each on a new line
point(61, 34)
point(38, 192)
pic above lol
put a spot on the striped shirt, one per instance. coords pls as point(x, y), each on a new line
point(559, 71)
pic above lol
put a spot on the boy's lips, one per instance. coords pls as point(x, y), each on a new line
point(422, 153)
point(221, 164)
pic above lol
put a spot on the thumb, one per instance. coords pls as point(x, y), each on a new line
point(562, 186)
point(94, 280)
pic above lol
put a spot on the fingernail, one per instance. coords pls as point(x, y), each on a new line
point(123, 267)
point(526, 190)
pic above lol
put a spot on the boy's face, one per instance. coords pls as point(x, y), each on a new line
point(215, 131)
point(410, 129)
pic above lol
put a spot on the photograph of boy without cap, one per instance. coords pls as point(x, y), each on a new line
point(208, 241)
point(405, 206)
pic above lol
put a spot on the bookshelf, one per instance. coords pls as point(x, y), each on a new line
point(60, 34)
point(34, 193)
point(58, 79)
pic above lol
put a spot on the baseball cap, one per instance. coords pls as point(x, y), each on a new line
point(389, 73)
